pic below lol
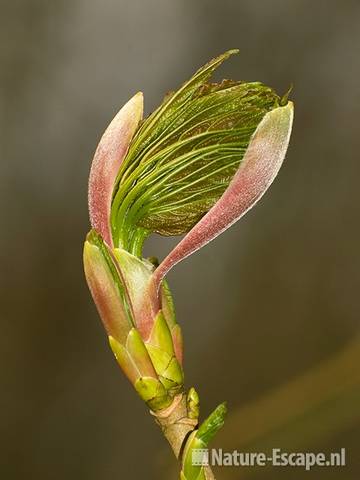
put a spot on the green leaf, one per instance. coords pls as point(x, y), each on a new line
point(200, 439)
point(185, 154)
point(190, 470)
point(212, 424)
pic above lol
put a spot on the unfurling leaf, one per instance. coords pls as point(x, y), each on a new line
point(185, 154)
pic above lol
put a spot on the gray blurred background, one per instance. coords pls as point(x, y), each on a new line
point(270, 311)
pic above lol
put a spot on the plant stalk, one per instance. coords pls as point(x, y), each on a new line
point(177, 426)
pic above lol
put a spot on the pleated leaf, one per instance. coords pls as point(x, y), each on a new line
point(185, 154)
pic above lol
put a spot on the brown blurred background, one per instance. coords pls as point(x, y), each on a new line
point(270, 310)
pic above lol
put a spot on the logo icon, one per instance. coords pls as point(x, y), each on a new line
point(200, 457)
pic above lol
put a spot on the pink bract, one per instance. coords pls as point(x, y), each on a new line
point(260, 165)
point(108, 157)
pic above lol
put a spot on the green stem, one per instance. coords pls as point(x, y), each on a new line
point(177, 426)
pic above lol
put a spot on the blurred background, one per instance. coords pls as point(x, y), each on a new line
point(270, 310)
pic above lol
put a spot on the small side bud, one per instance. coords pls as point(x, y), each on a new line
point(193, 403)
